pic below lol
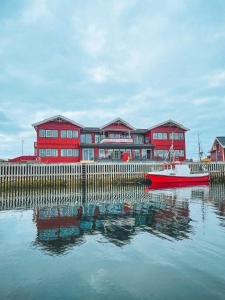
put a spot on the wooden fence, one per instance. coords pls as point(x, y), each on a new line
point(76, 174)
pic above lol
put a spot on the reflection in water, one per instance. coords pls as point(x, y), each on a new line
point(113, 242)
point(63, 217)
point(60, 227)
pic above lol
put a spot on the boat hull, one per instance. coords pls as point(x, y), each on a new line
point(172, 185)
point(159, 178)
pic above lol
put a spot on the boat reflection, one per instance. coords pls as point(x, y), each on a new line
point(173, 185)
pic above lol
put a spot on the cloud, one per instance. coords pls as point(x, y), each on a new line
point(94, 40)
point(217, 79)
point(99, 74)
point(92, 61)
point(36, 11)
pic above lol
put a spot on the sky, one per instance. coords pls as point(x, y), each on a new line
point(93, 61)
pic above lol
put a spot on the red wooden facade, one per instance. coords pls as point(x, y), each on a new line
point(218, 149)
point(57, 142)
point(62, 140)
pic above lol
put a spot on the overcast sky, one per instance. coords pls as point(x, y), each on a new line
point(144, 61)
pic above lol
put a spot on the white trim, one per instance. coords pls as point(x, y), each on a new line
point(216, 139)
point(116, 120)
point(57, 117)
point(223, 146)
point(169, 121)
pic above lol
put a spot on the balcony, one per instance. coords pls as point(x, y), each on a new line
point(121, 140)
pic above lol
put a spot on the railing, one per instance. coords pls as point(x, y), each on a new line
point(75, 173)
point(117, 140)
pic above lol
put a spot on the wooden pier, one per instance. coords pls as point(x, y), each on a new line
point(78, 174)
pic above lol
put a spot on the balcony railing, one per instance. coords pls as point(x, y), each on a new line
point(117, 140)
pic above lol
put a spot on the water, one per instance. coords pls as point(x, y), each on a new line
point(122, 242)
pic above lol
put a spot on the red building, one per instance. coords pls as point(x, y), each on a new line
point(60, 139)
point(218, 149)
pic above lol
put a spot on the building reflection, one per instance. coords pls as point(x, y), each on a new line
point(60, 227)
point(65, 218)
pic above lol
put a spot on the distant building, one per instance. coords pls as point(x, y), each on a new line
point(218, 149)
point(60, 139)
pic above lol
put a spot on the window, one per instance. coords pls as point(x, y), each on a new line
point(176, 136)
point(138, 139)
point(159, 135)
point(48, 133)
point(97, 138)
point(69, 152)
point(86, 138)
point(109, 153)
point(144, 153)
point(48, 152)
point(69, 134)
point(114, 135)
point(179, 153)
point(137, 154)
point(101, 153)
point(88, 154)
point(161, 153)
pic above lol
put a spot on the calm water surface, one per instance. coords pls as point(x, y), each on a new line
point(122, 242)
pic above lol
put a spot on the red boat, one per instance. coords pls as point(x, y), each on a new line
point(166, 185)
point(176, 173)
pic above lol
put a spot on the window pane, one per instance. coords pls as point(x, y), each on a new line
point(51, 133)
point(160, 136)
point(75, 133)
point(69, 152)
point(179, 153)
point(137, 154)
point(97, 138)
point(101, 153)
point(144, 153)
point(48, 152)
point(42, 152)
point(69, 134)
point(82, 138)
point(75, 152)
point(63, 133)
point(41, 133)
point(86, 138)
point(48, 133)
point(161, 153)
point(63, 152)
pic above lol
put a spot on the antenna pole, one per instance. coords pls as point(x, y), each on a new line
point(22, 142)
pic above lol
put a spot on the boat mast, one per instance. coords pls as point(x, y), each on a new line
point(200, 152)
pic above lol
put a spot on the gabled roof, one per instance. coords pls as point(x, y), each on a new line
point(118, 120)
point(170, 122)
point(55, 118)
point(220, 140)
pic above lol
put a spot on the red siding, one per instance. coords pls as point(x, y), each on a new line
point(74, 143)
point(166, 144)
point(115, 126)
point(23, 158)
point(218, 154)
point(58, 143)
